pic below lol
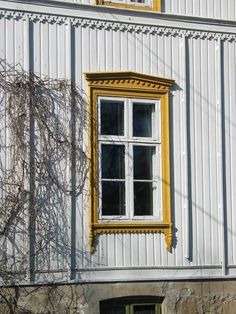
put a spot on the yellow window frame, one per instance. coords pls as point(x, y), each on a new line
point(156, 5)
point(130, 85)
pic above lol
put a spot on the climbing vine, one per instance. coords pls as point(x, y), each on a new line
point(43, 165)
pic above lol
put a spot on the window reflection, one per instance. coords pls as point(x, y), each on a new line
point(143, 165)
point(143, 198)
point(113, 165)
point(142, 119)
point(113, 198)
point(112, 117)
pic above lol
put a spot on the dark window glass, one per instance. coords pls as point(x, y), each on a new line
point(143, 162)
point(114, 310)
point(143, 198)
point(142, 119)
point(138, 1)
point(144, 309)
point(112, 117)
point(113, 161)
point(113, 198)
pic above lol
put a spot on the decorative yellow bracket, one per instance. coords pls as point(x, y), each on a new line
point(133, 85)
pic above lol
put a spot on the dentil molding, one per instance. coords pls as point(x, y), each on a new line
point(114, 26)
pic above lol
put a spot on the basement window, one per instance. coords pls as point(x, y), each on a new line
point(132, 305)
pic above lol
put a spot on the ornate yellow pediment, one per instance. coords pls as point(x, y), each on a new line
point(128, 80)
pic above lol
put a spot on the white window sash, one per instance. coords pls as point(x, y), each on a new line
point(135, 2)
point(128, 141)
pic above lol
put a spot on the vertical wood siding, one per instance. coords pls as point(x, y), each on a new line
point(219, 9)
point(222, 9)
point(200, 151)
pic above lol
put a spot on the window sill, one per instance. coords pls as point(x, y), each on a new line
point(135, 227)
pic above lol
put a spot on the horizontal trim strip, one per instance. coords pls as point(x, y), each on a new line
point(119, 18)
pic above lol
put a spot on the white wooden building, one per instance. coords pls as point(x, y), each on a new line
point(172, 67)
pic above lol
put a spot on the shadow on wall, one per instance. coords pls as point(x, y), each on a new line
point(42, 130)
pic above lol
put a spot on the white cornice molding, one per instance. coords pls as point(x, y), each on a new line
point(46, 11)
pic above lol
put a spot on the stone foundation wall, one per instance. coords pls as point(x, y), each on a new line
point(195, 297)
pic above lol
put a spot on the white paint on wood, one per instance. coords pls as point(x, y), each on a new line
point(165, 55)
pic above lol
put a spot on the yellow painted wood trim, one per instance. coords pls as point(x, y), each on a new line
point(156, 5)
point(128, 85)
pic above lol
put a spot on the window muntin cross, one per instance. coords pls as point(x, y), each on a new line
point(130, 159)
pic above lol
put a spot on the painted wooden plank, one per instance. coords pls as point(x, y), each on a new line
point(173, 70)
point(218, 9)
point(146, 53)
point(190, 6)
point(229, 143)
point(93, 50)
point(153, 55)
point(206, 154)
point(213, 152)
point(101, 47)
point(157, 249)
point(194, 231)
point(168, 56)
point(233, 146)
point(135, 249)
point(203, 8)
point(199, 138)
point(161, 56)
point(45, 49)
point(3, 39)
point(77, 55)
point(182, 7)
point(218, 91)
point(103, 262)
point(119, 258)
point(109, 50)
point(175, 6)
point(183, 253)
point(19, 51)
point(85, 59)
point(127, 243)
point(61, 44)
point(164, 253)
point(139, 52)
point(150, 251)
point(131, 51)
point(124, 50)
point(10, 40)
point(196, 8)
point(116, 50)
point(53, 54)
point(142, 250)
point(210, 8)
point(111, 248)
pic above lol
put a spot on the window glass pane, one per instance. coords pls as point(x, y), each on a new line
point(113, 198)
point(138, 1)
point(143, 156)
point(114, 310)
point(144, 309)
point(112, 117)
point(142, 119)
point(143, 198)
point(113, 161)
